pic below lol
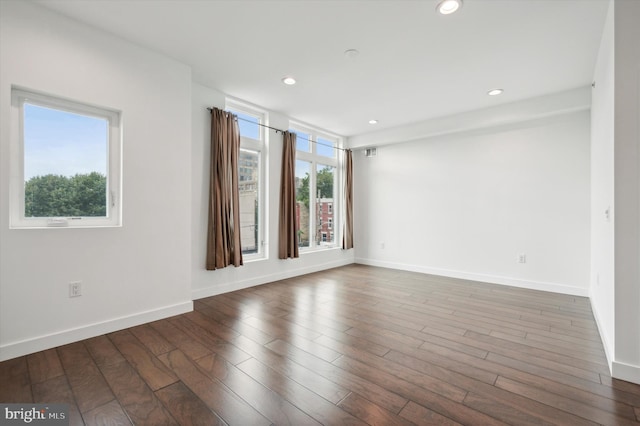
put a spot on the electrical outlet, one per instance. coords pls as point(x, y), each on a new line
point(75, 289)
point(522, 258)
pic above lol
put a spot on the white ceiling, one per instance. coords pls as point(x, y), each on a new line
point(414, 64)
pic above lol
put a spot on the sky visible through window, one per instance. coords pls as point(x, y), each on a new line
point(249, 125)
point(63, 143)
point(302, 140)
point(325, 148)
point(303, 168)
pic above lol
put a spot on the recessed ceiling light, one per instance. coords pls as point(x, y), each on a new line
point(495, 92)
point(373, 121)
point(447, 7)
point(289, 81)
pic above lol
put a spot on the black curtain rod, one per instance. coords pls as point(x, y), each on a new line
point(281, 131)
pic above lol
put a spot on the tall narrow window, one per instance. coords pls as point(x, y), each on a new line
point(317, 191)
point(251, 178)
point(325, 184)
point(303, 202)
point(65, 163)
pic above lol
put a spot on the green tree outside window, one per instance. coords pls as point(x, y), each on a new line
point(82, 195)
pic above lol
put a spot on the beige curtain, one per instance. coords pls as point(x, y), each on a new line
point(347, 235)
point(223, 234)
point(288, 230)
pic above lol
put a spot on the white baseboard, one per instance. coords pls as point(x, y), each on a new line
point(627, 372)
point(608, 349)
point(493, 279)
point(40, 343)
point(263, 279)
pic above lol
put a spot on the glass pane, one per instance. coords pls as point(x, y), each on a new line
point(249, 175)
point(326, 148)
point(65, 163)
point(325, 178)
point(303, 174)
point(302, 140)
point(248, 124)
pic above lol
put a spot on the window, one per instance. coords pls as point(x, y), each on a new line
point(251, 178)
point(65, 164)
point(316, 187)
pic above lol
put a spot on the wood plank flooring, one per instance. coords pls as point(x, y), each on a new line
point(349, 346)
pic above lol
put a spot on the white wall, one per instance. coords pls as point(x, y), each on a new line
point(615, 185)
point(131, 274)
point(467, 204)
point(627, 190)
point(602, 227)
point(208, 283)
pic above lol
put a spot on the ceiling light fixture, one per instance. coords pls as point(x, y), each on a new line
point(373, 121)
point(447, 7)
point(289, 81)
point(495, 92)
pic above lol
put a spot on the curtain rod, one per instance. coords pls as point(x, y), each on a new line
point(282, 131)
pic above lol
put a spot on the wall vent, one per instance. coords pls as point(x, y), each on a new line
point(371, 152)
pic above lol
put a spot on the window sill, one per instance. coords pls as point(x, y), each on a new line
point(319, 249)
point(41, 227)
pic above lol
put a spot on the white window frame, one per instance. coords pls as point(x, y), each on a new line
point(260, 145)
point(314, 158)
point(17, 219)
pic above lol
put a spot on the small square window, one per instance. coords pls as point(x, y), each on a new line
point(65, 164)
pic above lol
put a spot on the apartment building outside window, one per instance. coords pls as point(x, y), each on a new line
point(251, 176)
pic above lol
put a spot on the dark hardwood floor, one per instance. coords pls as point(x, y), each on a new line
point(348, 346)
